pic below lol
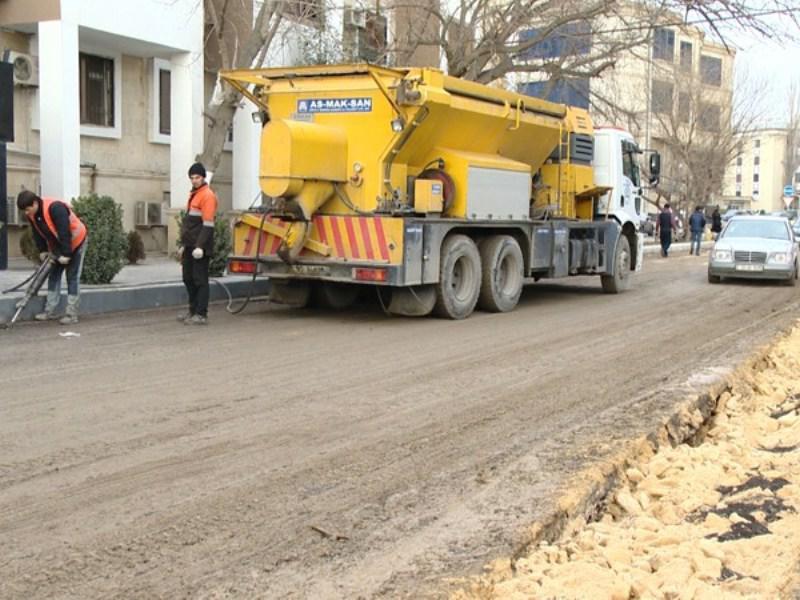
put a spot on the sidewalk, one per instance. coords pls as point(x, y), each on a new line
point(153, 283)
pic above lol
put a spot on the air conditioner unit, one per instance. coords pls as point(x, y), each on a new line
point(356, 18)
point(13, 214)
point(148, 214)
point(26, 68)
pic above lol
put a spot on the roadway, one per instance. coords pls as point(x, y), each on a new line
point(312, 454)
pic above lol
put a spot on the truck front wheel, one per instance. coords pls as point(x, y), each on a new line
point(459, 278)
point(503, 273)
point(621, 279)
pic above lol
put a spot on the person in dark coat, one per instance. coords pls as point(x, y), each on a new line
point(665, 225)
point(716, 223)
point(697, 224)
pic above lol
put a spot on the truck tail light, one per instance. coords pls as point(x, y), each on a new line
point(361, 274)
point(241, 266)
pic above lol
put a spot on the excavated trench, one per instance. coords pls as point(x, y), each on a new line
point(706, 506)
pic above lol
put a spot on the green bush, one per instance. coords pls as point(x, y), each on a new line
point(135, 248)
point(223, 243)
point(108, 245)
point(28, 247)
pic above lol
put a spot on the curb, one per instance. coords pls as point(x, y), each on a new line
point(592, 488)
point(135, 297)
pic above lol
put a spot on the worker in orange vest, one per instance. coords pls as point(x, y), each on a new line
point(57, 231)
point(197, 245)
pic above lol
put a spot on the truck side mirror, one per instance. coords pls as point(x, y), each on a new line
point(655, 168)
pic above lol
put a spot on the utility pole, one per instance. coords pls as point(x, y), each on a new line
point(6, 135)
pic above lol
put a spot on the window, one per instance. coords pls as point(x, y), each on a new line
point(755, 177)
point(571, 39)
point(738, 192)
point(738, 178)
point(738, 161)
point(662, 96)
point(164, 115)
point(664, 45)
point(711, 70)
point(574, 92)
point(709, 117)
point(304, 10)
point(756, 160)
point(371, 39)
point(686, 56)
point(756, 143)
point(630, 166)
point(97, 90)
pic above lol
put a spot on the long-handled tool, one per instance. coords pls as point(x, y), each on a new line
point(36, 281)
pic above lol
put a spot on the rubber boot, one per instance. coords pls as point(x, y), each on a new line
point(50, 306)
point(71, 316)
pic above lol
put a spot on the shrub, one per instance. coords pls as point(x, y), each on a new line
point(108, 244)
point(28, 247)
point(222, 243)
point(135, 248)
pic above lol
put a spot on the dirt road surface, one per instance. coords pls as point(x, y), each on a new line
point(149, 459)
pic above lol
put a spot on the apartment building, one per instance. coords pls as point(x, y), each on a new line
point(756, 178)
point(674, 94)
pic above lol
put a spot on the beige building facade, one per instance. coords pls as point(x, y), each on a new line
point(755, 178)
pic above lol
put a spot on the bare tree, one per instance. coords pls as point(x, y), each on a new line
point(792, 160)
point(559, 40)
point(240, 40)
point(699, 133)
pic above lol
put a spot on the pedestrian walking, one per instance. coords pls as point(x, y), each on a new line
point(197, 245)
point(697, 224)
point(716, 223)
point(665, 225)
point(58, 231)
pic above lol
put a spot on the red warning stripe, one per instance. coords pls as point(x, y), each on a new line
point(381, 239)
point(351, 235)
point(365, 235)
point(337, 237)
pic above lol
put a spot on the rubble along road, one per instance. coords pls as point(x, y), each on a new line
point(314, 454)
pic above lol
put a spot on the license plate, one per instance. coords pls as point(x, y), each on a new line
point(750, 267)
point(309, 270)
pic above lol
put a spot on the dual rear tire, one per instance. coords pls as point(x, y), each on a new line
point(489, 275)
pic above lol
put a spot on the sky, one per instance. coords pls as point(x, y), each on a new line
point(775, 65)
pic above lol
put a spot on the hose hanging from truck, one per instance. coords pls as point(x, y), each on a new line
point(247, 299)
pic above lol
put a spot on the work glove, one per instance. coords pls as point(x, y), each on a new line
point(63, 260)
point(43, 256)
point(197, 253)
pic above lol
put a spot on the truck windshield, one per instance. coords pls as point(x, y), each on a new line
point(630, 163)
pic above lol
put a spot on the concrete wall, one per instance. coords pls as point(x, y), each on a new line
point(15, 12)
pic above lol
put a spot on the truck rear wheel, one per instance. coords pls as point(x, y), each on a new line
point(502, 273)
point(621, 279)
point(293, 293)
point(337, 296)
point(459, 278)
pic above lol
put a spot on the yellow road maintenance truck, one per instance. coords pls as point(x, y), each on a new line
point(446, 194)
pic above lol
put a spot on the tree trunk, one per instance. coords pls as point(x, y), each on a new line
point(219, 118)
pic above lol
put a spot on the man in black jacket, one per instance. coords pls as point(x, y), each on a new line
point(57, 231)
point(197, 245)
point(665, 225)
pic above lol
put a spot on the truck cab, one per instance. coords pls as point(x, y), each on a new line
point(617, 166)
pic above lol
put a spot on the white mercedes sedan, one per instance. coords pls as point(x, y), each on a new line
point(755, 247)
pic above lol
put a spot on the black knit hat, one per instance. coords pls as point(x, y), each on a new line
point(197, 169)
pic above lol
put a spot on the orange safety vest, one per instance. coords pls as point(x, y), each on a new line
point(76, 226)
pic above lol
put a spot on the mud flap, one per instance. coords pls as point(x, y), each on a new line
point(416, 301)
point(639, 251)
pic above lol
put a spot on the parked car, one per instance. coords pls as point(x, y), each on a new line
point(796, 229)
point(755, 247)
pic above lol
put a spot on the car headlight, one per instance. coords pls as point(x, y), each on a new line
point(781, 258)
point(722, 255)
